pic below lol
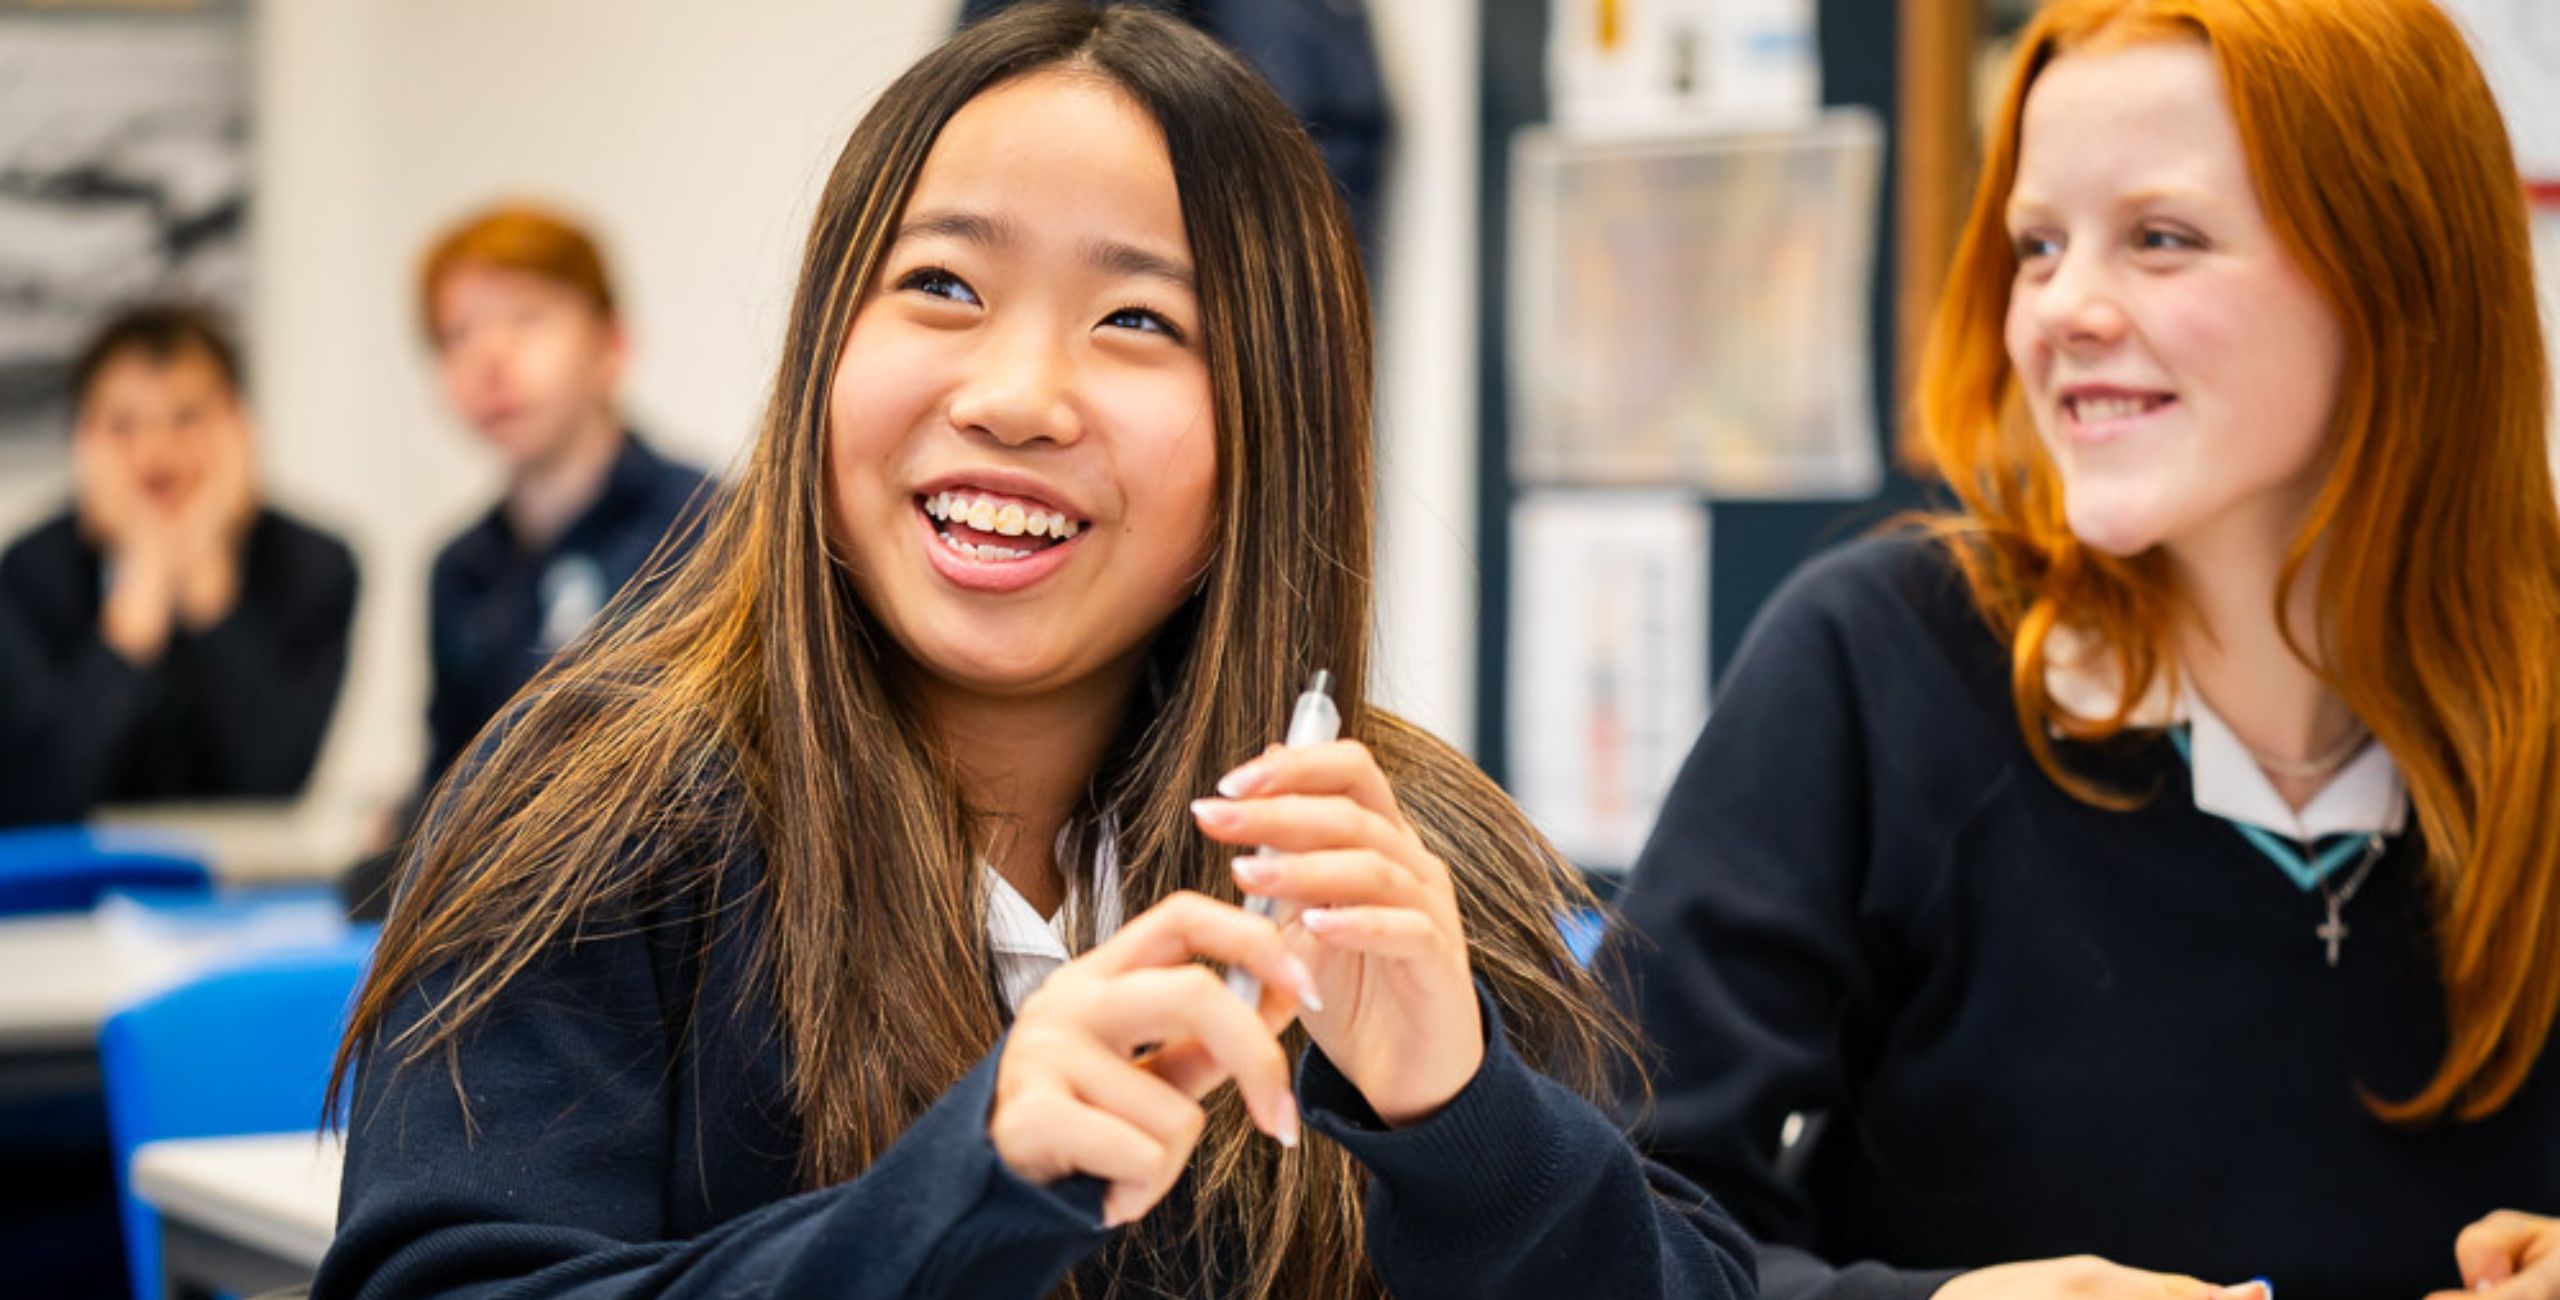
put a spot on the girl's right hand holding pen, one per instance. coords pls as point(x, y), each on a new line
point(1105, 1065)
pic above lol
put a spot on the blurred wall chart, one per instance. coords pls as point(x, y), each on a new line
point(124, 173)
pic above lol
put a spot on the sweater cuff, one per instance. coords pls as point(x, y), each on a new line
point(1070, 1204)
point(1495, 1133)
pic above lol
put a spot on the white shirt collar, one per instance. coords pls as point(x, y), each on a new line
point(1027, 945)
point(2365, 796)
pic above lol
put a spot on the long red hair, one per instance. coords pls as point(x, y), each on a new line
point(2385, 169)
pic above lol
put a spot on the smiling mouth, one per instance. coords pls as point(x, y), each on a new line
point(996, 530)
point(2112, 407)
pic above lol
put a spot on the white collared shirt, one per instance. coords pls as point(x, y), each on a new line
point(1027, 945)
point(2364, 797)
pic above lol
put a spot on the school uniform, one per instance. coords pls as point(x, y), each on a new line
point(234, 710)
point(2024, 1026)
point(634, 1137)
point(499, 609)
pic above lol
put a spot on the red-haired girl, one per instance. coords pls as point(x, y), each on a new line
point(2151, 866)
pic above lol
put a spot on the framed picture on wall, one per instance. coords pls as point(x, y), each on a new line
point(124, 175)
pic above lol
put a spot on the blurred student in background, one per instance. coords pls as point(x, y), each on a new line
point(530, 348)
point(167, 636)
point(528, 343)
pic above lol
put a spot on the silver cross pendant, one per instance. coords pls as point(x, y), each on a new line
point(2333, 932)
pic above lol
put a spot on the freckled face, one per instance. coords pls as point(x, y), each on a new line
point(2180, 368)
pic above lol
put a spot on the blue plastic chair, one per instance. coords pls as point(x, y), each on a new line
point(241, 1049)
point(66, 868)
point(1583, 930)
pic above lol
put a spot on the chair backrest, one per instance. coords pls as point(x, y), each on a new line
point(244, 1048)
point(66, 868)
point(1583, 929)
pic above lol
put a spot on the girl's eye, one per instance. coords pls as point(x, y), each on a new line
point(934, 282)
point(1140, 318)
point(2158, 239)
point(2033, 245)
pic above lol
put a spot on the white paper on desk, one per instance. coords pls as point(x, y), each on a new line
point(1608, 676)
point(161, 944)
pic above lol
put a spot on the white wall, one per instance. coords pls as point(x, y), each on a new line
point(1427, 616)
point(695, 135)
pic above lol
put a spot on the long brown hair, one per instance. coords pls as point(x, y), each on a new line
point(750, 696)
point(2384, 167)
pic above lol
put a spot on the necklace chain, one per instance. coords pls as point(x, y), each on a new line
point(2333, 931)
point(2320, 764)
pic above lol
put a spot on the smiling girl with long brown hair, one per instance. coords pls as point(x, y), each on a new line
point(773, 945)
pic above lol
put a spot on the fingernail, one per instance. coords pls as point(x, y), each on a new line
point(1288, 1126)
point(1241, 782)
point(1253, 872)
point(1210, 812)
point(1318, 919)
point(1303, 983)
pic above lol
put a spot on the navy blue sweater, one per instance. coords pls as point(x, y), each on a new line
point(496, 606)
point(2034, 1027)
point(634, 1138)
point(235, 710)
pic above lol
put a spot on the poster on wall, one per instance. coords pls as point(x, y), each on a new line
point(124, 175)
point(1636, 65)
point(1693, 310)
point(1608, 674)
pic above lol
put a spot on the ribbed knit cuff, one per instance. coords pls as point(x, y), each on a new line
point(1469, 1175)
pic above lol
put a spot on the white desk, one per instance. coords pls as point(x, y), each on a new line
point(311, 841)
point(63, 973)
point(241, 1214)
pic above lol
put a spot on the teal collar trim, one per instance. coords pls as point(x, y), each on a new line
point(2305, 869)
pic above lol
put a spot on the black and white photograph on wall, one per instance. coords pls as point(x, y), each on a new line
point(124, 174)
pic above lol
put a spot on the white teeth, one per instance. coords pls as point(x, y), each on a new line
point(2098, 410)
point(984, 554)
point(1006, 518)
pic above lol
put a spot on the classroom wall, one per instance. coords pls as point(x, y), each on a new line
point(696, 134)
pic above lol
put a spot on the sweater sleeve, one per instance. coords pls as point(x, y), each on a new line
point(554, 1182)
point(65, 722)
point(262, 683)
point(1521, 1188)
point(1754, 969)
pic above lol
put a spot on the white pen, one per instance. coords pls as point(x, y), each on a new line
point(1313, 721)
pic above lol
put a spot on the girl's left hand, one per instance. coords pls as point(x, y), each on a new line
point(2509, 1255)
point(1380, 920)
